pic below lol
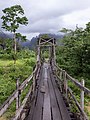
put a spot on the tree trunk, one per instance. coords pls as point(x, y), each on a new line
point(15, 48)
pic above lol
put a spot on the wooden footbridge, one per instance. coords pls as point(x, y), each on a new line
point(49, 96)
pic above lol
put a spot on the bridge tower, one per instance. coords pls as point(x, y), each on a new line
point(48, 43)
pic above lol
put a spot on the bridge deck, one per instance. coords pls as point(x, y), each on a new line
point(48, 103)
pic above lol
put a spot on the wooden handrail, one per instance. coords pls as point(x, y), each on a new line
point(58, 67)
point(78, 105)
point(76, 82)
point(65, 77)
point(19, 111)
point(6, 104)
point(22, 86)
point(86, 90)
point(14, 95)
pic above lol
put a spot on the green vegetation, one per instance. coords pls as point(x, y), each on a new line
point(10, 50)
point(74, 56)
point(10, 72)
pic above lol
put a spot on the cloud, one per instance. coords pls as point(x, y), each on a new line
point(71, 20)
point(50, 15)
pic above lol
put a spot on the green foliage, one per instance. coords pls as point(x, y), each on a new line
point(45, 36)
point(20, 37)
point(25, 53)
point(10, 72)
point(12, 18)
point(74, 57)
point(74, 54)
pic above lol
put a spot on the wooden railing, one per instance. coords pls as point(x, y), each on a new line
point(17, 93)
point(64, 79)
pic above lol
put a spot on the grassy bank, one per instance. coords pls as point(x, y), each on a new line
point(8, 75)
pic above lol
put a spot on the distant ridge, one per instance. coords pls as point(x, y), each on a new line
point(29, 44)
point(5, 35)
point(32, 44)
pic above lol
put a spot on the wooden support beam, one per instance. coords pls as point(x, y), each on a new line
point(82, 95)
point(60, 74)
point(18, 94)
point(78, 105)
point(14, 95)
point(54, 53)
point(45, 45)
point(48, 41)
point(7, 103)
point(33, 82)
point(65, 83)
point(78, 84)
point(38, 55)
point(19, 111)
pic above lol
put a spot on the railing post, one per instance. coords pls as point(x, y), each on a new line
point(82, 94)
point(18, 94)
point(61, 74)
point(34, 81)
point(65, 83)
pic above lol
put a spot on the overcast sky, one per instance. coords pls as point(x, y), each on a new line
point(49, 16)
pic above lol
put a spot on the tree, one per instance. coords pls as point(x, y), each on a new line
point(74, 54)
point(13, 17)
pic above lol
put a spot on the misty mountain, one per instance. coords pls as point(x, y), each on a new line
point(5, 35)
point(32, 44)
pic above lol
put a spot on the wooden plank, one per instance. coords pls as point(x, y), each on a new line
point(54, 106)
point(29, 117)
point(62, 107)
point(46, 107)
point(39, 103)
point(32, 109)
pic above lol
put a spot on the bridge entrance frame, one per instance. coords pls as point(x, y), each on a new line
point(49, 43)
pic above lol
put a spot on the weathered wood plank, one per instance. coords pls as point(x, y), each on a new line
point(46, 106)
point(39, 102)
point(34, 100)
point(62, 107)
point(54, 106)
